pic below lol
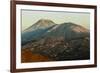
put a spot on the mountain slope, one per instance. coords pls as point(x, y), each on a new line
point(68, 31)
point(36, 30)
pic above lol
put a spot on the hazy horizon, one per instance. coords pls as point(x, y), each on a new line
point(29, 17)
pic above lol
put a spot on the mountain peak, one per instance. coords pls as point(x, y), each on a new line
point(40, 24)
point(45, 22)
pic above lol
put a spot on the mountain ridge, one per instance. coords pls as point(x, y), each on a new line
point(37, 30)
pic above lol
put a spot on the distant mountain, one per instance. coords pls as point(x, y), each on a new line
point(36, 30)
point(68, 31)
point(66, 41)
point(41, 24)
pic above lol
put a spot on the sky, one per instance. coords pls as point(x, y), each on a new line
point(29, 17)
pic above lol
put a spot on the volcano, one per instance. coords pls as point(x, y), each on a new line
point(65, 41)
